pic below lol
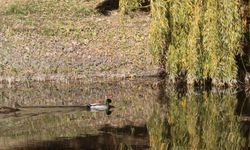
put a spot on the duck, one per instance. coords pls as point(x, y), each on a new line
point(100, 106)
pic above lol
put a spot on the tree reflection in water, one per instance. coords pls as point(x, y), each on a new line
point(197, 120)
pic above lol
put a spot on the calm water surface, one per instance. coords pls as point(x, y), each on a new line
point(148, 114)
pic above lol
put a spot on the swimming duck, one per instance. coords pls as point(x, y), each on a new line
point(99, 106)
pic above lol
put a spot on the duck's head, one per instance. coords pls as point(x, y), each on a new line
point(108, 101)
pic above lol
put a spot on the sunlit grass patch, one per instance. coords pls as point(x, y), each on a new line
point(49, 18)
point(23, 9)
point(85, 11)
point(50, 8)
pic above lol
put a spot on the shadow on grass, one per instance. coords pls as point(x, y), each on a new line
point(108, 5)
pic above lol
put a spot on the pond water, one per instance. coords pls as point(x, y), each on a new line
point(148, 114)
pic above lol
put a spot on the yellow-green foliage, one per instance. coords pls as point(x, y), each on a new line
point(221, 39)
point(210, 39)
point(205, 38)
point(193, 40)
point(159, 27)
point(128, 5)
point(180, 56)
point(230, 31)
point(201, 38)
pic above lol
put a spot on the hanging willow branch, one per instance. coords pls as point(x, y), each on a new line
point(159, 28)
point(199, 39)
point(230, 32)
point(210, 39)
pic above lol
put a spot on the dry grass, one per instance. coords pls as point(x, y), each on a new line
point(40, 39)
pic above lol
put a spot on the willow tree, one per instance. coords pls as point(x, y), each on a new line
point(197, 38)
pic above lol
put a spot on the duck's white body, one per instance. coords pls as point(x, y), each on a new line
point(98, 107)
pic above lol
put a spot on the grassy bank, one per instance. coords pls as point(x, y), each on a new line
point(50, 40)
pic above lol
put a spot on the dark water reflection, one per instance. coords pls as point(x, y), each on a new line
point(112, 138)
point(149, 114)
